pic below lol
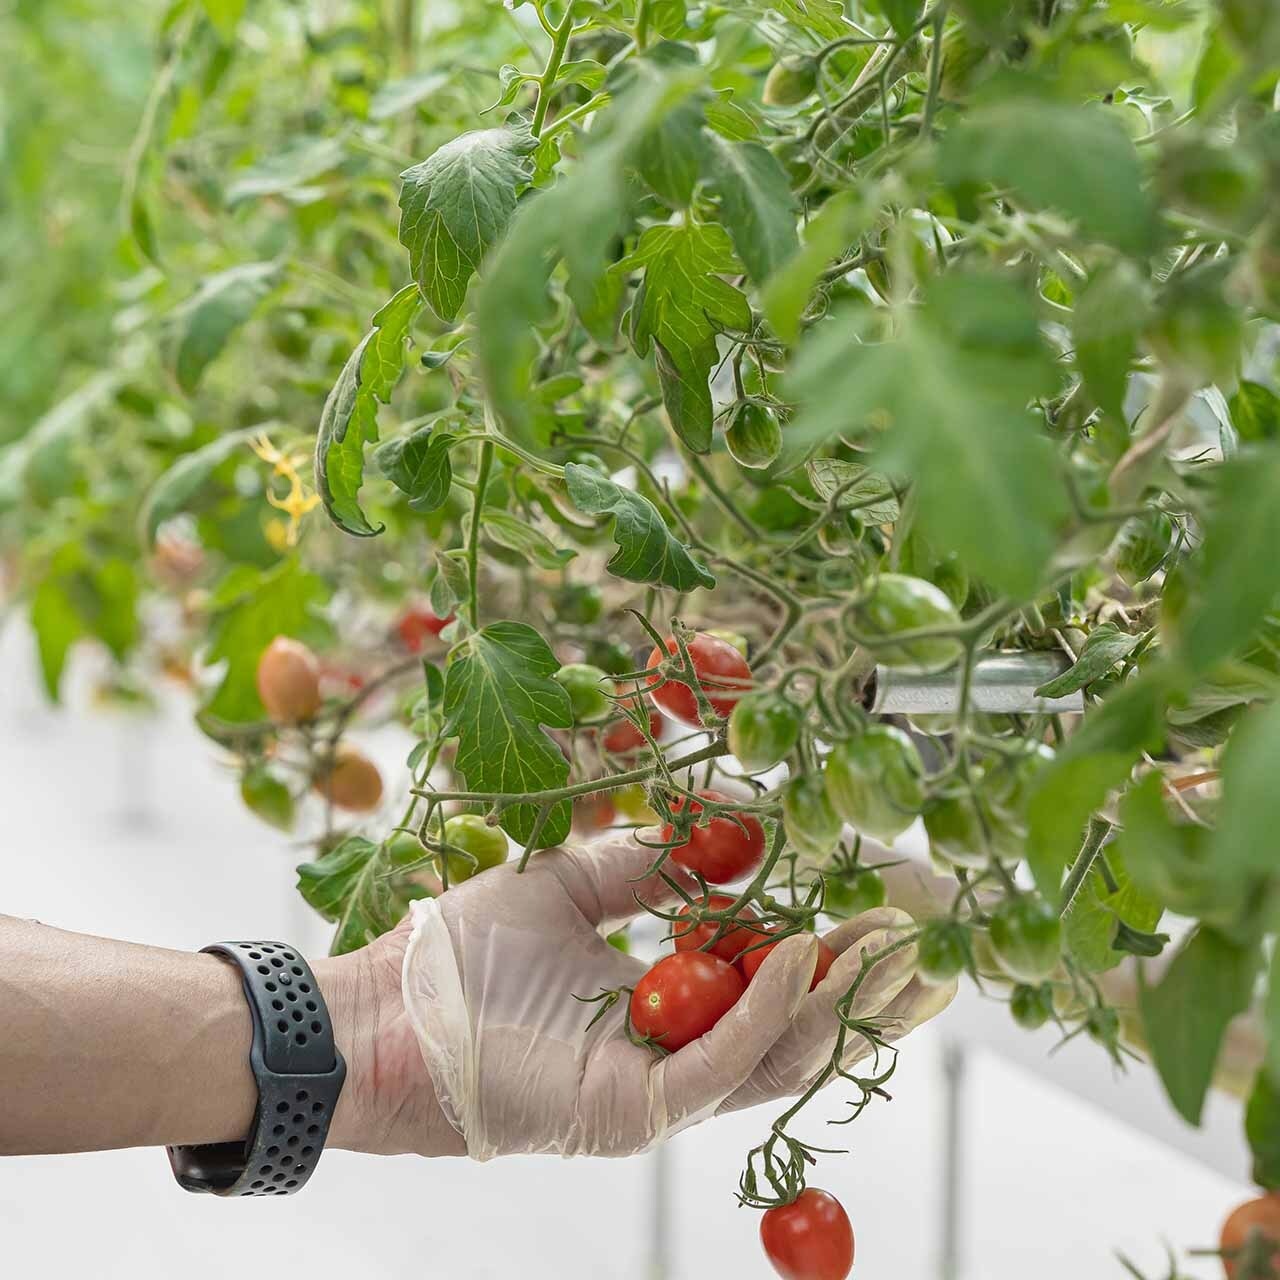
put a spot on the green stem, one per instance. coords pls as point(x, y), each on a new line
point(473, 534)
point(546, 82)
point(1099, 829)
point(642, 25)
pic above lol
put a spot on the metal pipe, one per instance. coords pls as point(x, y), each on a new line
point(1002, 684)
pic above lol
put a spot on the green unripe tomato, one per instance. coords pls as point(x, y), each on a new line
point(754, 437)
point(1026, 935)
point(763, 730)
point(942, 952)
point(955, 830)
point(863, 890)
point(791, 80)
point(404, 850)
point(1142, 545)
point(581, 604)
point(876, 782)
point(813, 827)
point(1031, 1006)
point(611, 656)
point(894, 603)
point(471, 834)
point(588, 688)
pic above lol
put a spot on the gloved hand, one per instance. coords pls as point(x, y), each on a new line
point(489, 979)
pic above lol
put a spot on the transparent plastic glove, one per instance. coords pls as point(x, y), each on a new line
point(489, 979)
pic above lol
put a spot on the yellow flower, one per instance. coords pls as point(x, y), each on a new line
point(296, 503)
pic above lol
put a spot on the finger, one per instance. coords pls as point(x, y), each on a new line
point(701, 1075)
point(808, 1043)
point(604, 877)
point(841, 938)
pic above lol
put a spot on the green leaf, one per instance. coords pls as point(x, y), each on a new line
point(525, 540)
point(823, 17)
point(250, 608)
point(450, 586)
point(680, 308)
point(351, 885)
point(1255, 412)
point(585, 72)
point(57, 625)
point(1106, 646)
point(1186, 1015)
point(903, 15)
point(949, 396)
point(788, 290)
point(224, 15)
point(1091, 920)
point(397, 96)
point(1109, 316)
point(1262, 1128)
point(455, 204)
point(184, 480)
point(1249, 812)
point(418, 465)
point(647, 552)
point(865, 494)
point(498, 695)
point(756, 204)
point(1076, 160)
point(1238, 566)
point(289, 173)
point(349, 419)
point(267, 797)
point(201, 326)
point(1217, 67)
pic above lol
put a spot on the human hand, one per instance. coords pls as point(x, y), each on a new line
point(490, 972)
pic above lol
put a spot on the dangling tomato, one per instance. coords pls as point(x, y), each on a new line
point(735, 939)
point(722, 673)
point(750, 961)
point(622, 737)
point(288, 679)
point(1251, 1226)
point(683, 996)
point(809, 1239)
point(727, 848)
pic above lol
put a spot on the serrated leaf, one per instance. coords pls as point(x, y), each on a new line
point(728, 119)
point(499, 696)
point(186, 478)
point(1208, 982)
point(455, 204)
point(450, 585)
point(585, 72)
point(1238, 566)
point(670, 158)
point(418, 465)
point(947, 398)
point(681, 307)
point(349, 419)
point(250, 608)
point(201, 326)
point(823, 17)
point(350, 885)
point(648, 551)
point(865, 494)
point(1109, 316)
point(1090, 921)
point(1105, 646)
point(1076, 160)
point(756, 204)
point(525, 540)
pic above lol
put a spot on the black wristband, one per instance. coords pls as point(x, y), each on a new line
point(299, 1074)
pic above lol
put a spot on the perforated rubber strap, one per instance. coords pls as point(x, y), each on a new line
point(299, 1073)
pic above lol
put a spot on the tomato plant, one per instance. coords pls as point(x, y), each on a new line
point(514, 377)
point(682, 997)
point(809, 1239)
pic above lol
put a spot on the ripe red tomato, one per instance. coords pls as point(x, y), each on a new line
point(752, 960)
point(683, 996)
point(734, 940)
point(727, 848)
point(623, 737)
point(593, 812)
point(416, 623)
point(722, 672)
point(810, 1238)
point(1257, 1217)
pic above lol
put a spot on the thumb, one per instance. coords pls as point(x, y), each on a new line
point(703, 1073)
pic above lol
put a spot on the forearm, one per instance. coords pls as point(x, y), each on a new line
point(108, 1044)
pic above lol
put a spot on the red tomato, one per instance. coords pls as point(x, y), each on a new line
point(726, 849)
point(416, 623)
point(593, 813)
point(722, 672)
point(1260, 1217)
point(735, 939)
point(752, 960)
point(622, 736)
point(683, 996)
point(810, 1238)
